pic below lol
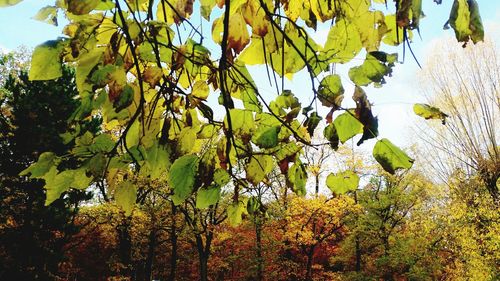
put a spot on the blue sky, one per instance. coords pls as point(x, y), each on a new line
point(393, 102)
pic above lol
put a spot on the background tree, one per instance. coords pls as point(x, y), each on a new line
point(33, 115)
point(466, 89)
point(466, 154)
point(394, 234)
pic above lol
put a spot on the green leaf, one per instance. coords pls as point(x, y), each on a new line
point(297, 176)
point(258, 168)
point(312, 122)
point(80, 179)
point(182, 177)
point(391, 157)
point(374, 68)
point(47, 14)
point(157, 161)
point(429, 112)
point(187, 138)
point(207, 197)
point(331, 92)
point(87, 61)
point(267, 137)
point(7, 3)
point(56, 184)
point(102, 143)
point(347, 126)
point(46, 61)
point(235, 212)
point(125, 196)
point(330, 134)
point(253, 205)
point(343, 42)
point(41, 167)
point(343, 182)
point(242, 122)
point(221, 177)
point(81, 7)
point(466, 21)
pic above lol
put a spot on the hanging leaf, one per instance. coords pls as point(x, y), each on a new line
point(40, 167)
point(57, 183)
point(125, 196)
point(46, 61)
point(207, 197)
point(297, 177)
point(331, 92)
point(47, 14)
point(376, 66)
point(267, 137)
point(81, 7)
point(466, 21)
point(258, 168)
point(429, 112)
point(347, 126)
point(391, 157)
point(330, 134)
point(364, 115)
point(343, 42)
point(182, 177)
point(312, 122)
point(6, 3)
point(342, 182)
point(235, 212)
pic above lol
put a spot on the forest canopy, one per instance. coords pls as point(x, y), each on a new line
point(146, 68)
point(163, 158)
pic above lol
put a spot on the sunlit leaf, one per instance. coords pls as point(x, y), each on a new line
point(342, 182)
point(157, 160)
point(6, 3)
point(266, 138)
point(41, 167)
point(235, 212)
point(374, 68)
point(47, 14)
point(343, 42)
point(429, 112)
point(81, 7)
point(46, 61)
point(207, 197)
point(331, 92)
point(466, 21)
point(297, 176)
point(258, 168)
point(182, 177)
point(347, 126)
point(391, 157)
point(125, 196)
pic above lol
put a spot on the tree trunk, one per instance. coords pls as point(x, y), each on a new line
point(260, 259)
point(358, 248)
point(358, 255)
point(316, 178)
point(203, 267)
point(173, 241)
point(148, 271)
point(203, 254)
point(310, 256)
point(125, 246)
